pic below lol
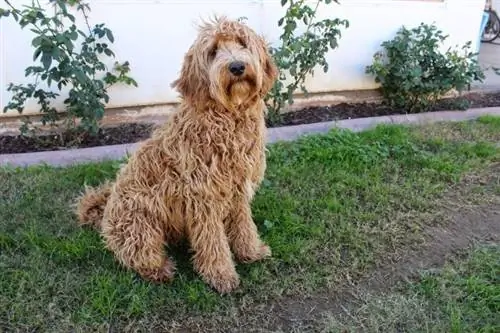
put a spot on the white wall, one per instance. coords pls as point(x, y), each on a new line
point(153, 36)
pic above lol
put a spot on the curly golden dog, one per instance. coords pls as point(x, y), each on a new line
point(197, 174)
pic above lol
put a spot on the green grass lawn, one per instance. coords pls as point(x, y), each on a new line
point(330, 207)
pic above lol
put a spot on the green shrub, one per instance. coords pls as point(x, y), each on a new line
point(60, 61)
point(298, 55)
point(414, 73)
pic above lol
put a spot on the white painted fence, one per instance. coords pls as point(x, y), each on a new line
point(153, 36)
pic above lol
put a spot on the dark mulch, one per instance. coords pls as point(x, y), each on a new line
point(130, 133)
point(124, 133)
point(364, 110)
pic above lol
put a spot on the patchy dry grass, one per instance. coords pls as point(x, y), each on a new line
point(485, 129)
point(464, 296)
point(329, 207)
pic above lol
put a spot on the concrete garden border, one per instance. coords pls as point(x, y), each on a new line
point(287, 133)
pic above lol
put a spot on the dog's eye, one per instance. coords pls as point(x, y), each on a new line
point(242, 43)
point(213, 52)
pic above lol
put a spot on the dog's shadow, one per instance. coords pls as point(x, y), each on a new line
point(181, 254)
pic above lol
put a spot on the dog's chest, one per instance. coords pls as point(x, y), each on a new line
point(239, 151)
point(241, 148)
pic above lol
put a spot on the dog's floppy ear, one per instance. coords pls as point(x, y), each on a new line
point(270, 69)
point(191, 82)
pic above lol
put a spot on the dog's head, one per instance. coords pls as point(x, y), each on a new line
point(228, 63)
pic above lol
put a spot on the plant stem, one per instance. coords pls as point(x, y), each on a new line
point(10, 5)
point(313, 16)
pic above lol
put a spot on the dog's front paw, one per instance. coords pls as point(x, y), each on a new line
point(223, 282)
point(163, 274)
point(260, 252)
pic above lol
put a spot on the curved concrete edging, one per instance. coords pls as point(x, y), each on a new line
point(288, 133)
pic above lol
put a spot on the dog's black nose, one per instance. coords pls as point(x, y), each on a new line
point(237, 68)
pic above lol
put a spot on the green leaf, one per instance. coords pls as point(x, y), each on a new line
point(109, 35)
point(46, 60)
point(62, 5)
point(36, 54)
point(37, 41)
point(333, 43)
point(80, 76)
point(133, 82)
point(283, 2)
point(73, 35)
point(69, 45)
point(4, 12)
point(61, 83)
point(290, 26)
point(99, 112)
point(108, 52)
point(99, 32)
point(33, 70)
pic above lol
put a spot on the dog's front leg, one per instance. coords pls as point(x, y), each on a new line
point(212, 255)
point(243, 234)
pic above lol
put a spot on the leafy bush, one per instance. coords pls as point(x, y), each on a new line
point(61, 61)
point(414, 73)
point(298, 55)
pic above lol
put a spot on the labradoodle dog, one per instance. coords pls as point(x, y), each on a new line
point(197, 174)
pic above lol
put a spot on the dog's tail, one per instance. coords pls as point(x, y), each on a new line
point(90, 206)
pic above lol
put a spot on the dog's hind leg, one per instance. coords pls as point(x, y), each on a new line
point(212, 257)
point(133, 230)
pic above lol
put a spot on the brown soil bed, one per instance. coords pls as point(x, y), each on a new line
point(134, 132)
